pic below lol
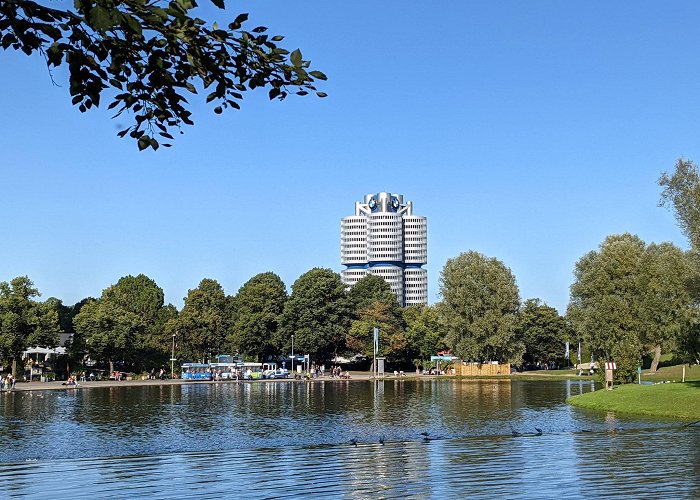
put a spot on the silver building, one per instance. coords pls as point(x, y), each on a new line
point(385, 238)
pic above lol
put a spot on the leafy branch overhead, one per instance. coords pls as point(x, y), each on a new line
point(151, 54)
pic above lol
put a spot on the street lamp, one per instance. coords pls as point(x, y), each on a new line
point(172, 360)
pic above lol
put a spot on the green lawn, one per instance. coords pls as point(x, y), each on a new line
point(671, 373)
point(551, 375)
point(661, 400)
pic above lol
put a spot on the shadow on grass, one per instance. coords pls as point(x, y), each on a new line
point(694, 383)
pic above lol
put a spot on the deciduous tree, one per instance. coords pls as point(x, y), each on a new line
point(480, 300)
point(257, 310)
point(682, 195)
point(392, 339)
point(317, 314)
point(23, 321)
point(665, 302)
point(425, 334)
point(542, 330)
point(110, 333)
point(202, 321)
point(605, 306)
point(126, 323)
point(369, 289)
point(151, 56)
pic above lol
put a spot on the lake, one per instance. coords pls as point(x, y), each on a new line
point(322, 438)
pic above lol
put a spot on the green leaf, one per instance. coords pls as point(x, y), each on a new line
point(318, 74)
point(321, 94)
point(295, 57)
point(100, 18)
point(277, 38)
point(218, 110)
point(133, 23)
point(143, 143)
point(219, 3)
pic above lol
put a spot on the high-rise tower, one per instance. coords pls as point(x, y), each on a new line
point(385, 238)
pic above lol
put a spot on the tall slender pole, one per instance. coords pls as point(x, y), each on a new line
point(292, 355)
point(375, 368)
point(172, 360)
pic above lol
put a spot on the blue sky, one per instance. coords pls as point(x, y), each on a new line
point(527, 131)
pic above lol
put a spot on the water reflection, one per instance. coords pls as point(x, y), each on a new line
point(292, 439)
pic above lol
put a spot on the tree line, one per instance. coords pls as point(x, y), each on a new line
point(628, 299)
point(131, 326)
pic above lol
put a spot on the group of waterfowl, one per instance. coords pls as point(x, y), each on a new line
point(426, 437)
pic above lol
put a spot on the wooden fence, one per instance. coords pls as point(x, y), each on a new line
point(481, 370)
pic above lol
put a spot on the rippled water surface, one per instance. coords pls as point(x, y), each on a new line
point(293, 439)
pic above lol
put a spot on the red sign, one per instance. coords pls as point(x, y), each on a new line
point(611, 366)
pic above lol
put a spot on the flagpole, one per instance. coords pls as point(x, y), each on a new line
point(376, 348)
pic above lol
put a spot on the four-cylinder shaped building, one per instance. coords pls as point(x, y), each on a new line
point(384, 238)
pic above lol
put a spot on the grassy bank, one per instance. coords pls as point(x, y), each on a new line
point(671, 373)
point(662, 400)
point(551, 375)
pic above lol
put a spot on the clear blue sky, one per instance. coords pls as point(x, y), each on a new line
point(527, 131)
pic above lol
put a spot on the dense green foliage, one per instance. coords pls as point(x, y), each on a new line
point(480, 300)
point(24, 322)
point(425, 333)
point(665, 303)
point(374, 305)
point(317, 314)
point(151, 56)
point(127, 323)
point(543, 331)
point(201, 326)
point(371, 289)
point(682, 194)
point(256, 313)
point(628, 298)
point(392, 339)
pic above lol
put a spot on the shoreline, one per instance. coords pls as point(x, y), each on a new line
point(363, 376)
point(60, 385)
point(358, 375)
